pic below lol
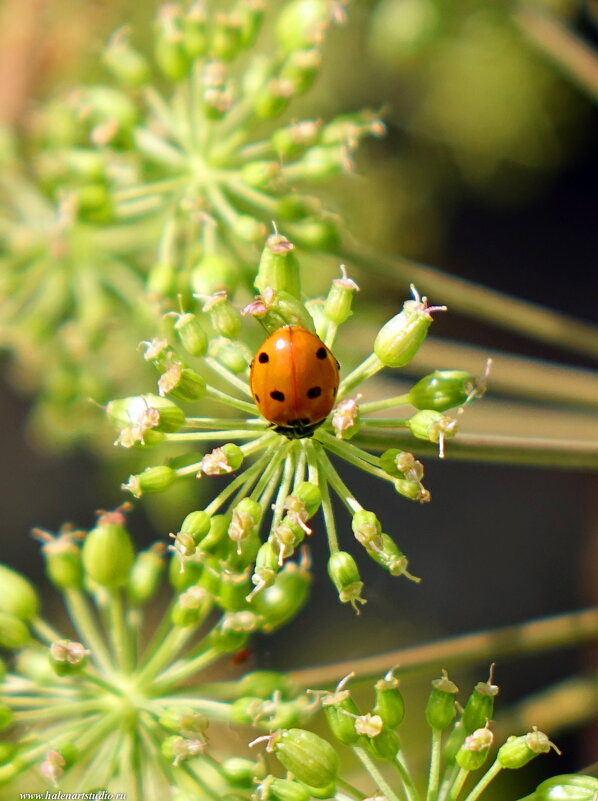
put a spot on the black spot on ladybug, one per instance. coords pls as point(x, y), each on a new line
point(314, 392)
point(338, 364)
point(257, 397)
point(321, 353)
point(263, 358)
point(277, 395)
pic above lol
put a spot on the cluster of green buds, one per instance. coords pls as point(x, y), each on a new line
point(111, 704)
point(160, 181)
point(462, 742)
point(276, 482)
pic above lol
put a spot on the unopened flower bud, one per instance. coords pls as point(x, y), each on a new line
point(389, 705)
point(413, 490)
point(280, 602)
point(222, 461)
point(213, 273)
point(440, 710)
point(367, 528)
point(386, 552)
point(63, 558)
point(225, 42)
point(309, 757)
point(124, 61)
point(317, 233)
point(344, 573)
point(195, 30)
point(246, 517)
point(182, 383)
point(108, 551)
point(192, 336)
point(285, 790)
point(170, 52)
point(153, 479)
point(518, 751)
point(479, 708)
point(144, 414)
point(380, 741)
point(279, 267)
point(302, 23)
point(235, 356)
point(67, 657)
point(17, 595)
point(185, 721)
point(301, 69)
point(399, 340)
point(241, 772)
point(572, 787)
point(190, 606)
point(442, 390)
point(290, 141)
point(223, 316)
point(341, 711)
point(273, 98)
point(146, 573)
point(260, 173)
point(177, 749)
point(340, 298)
point(277, 307)
point(433, 427)
point(14, 634)
point(474, 751)
point(266, 568)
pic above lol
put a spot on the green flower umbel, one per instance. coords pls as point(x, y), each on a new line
point(296, 415)
point(121, 703)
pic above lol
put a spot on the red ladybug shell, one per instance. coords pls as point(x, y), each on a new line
point(294, 381)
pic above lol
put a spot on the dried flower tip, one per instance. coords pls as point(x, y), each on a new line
point(277, 307)
point(183, 720)
point(182, 383)
point(52, 768)
point(246, 518)
point(345, 418)
point(68, 657)
point(480, 705)
point(177, 749)
point(367, 529)
point(340, 297)
point(433, 427)
point(221, 461)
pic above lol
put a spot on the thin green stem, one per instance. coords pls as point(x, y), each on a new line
point(83, 620)
point(352, 455)
point(368, 367)
point(208, 436)
point(170, 646)
point(228, 375)
point(246, 478)
point(457, 785)
point(435, 759)
point(377, 777)
point(283, 488)
point(327, 509)
point(119, 633)
point(214, 710)
point(408, 783)
point(348, 788)
point(44, 631)
point(337, 484)
point(229, 400)
point(387, 403)
point(488, 777)
point(183, 670)
point(221, 423)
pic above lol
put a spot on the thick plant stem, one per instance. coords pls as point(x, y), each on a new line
point(434, 774)
point(559, 631)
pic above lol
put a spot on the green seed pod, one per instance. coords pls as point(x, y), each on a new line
point(266, 568)
point(341, 710)
point(181, 579)
point(108, 552)
point(260, 174)
point(432, 426)
point(440, 710)
point(34, 664)
point(412, 490)
point(225, 42)
point(401, 337)
point(320, 163)
point(223, 316)
point(401, 464)
point(17, 595)
point(161, 279)
point(301, 69)
point(146, 412)
point(241, 772)
point(184, 720)
point(251, 14)
point(233, 590)
point(235, 356)
point(246, 711)
point(246, 518)
point(126, 64)
point(273, 99)
point(217, 534)
point(197, 525)
point(474, 751)
point(234, 630)
point(214, 273)
point(389, 705)
point(301, 24)
point(442, 390)
point(8, 752)
point(279, 267)
point(192, 336)
point(567, 787)
point(182, 383)
point(276, 307)
point(386, 552)
point(518, 751)
point(190, 606)
point(63, 559)
point(340, 298)
point(384, 745)
point(67, 658)
point(195, 30)
point(264, 683)
point(101, 104)
point(317, 233)
point(283, 600)
point(366, 527)
point(169, 44)
point(221, 461)
point(344, 573)
point(287, 790)
point(146, 573)
point(292, 140)
point(14, 634)
point(310, 758)
point(309, 494)
point(153, 479)
point(248, 229)
point(479, 708)
point(177, 749)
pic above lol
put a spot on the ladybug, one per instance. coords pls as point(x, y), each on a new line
point(294, 381)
